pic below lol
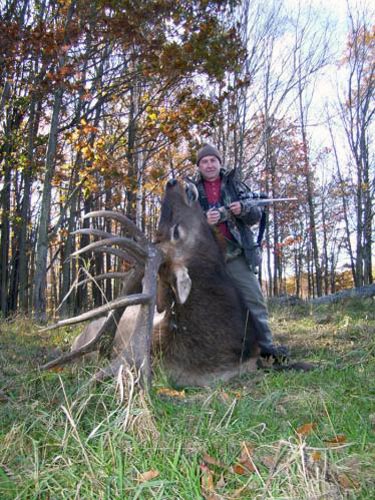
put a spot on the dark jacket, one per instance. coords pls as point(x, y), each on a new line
point(239, 226)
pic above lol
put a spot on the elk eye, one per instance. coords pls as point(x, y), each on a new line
point(175, 233)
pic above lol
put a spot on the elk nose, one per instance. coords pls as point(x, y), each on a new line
point(171, 182)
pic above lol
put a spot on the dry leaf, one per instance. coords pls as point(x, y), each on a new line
point(57, 369)
point(165, 391)
point(268, 461)
point(347, 482)
point(247, 449)
point(212, 461)
point(245, 465)
point(316, 456)
point(249, 465)
point(212, 496)
point(147, 476)
point(238, 492)
point(207, 478)
point(221, 483)
point(306, 429)
point(239, 469)
point(224, 396)
point(339, 439)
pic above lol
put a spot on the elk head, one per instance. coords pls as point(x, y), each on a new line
point(179, 227)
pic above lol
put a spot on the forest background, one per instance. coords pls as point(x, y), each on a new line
point(102, 101)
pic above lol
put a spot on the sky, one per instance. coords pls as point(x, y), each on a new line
point(332, 77)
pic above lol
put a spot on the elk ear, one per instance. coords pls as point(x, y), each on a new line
point(183, 284)
point(191, 190)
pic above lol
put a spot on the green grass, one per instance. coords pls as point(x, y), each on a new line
point(272, 435)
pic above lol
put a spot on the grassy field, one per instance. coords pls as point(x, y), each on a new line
point(272, 435)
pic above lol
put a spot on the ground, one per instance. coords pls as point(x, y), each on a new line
point(274, 435)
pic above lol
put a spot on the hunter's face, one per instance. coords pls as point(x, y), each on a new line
point(209, 167)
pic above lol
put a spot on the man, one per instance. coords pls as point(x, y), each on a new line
point(228, 205)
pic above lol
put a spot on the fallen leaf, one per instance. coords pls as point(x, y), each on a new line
point(249, 465)
point(147, 476)
point(221, 483)
point(316, 456)
point(224, 396)
point(239, 469)
point(244, 464)
point(247, 449)
point(212, 461)
point(305, 429)
point(268, 461)
point(207, 480)
point(347, 482)
point(212, 496)
point(165, 391)
point(57, 369)
point(238, 492)
point(339, 439)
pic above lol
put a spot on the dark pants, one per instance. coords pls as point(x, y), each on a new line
point(247, 282)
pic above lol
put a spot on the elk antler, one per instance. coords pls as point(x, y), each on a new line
point(148, 259)
point(127, 224)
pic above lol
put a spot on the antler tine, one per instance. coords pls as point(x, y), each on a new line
point(131, 246)
point(86, 348)
point(94, 232)
point(100, 277)
point(121, 254)
point(130, 300)
point(125, 222)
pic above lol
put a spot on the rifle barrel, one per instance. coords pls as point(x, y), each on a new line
point(268, 201)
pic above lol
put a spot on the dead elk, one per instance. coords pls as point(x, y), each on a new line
point(205, 333)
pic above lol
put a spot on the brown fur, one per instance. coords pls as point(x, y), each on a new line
point(210, 336)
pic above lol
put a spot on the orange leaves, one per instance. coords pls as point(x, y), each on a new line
point(165, 391)
point(148, 475)
point(207, 481)
point(212, 461)
point(245, 463)
point(274, 462)
point(239, 469)
point(316, 456)
point(92, 145)
point(305, 429)
point(57, 369)
point(212, 480)
point(336, 440)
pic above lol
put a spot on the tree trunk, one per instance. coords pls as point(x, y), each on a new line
point(40, 281)
point(40, 277)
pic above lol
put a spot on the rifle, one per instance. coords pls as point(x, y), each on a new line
point(256, 202)
point(263, 202)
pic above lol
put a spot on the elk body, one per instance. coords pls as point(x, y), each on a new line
point(203, 331)
point(208, 334)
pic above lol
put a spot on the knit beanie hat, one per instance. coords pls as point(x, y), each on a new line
point(208, 150)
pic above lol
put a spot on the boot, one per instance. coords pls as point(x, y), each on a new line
point(280, 355)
